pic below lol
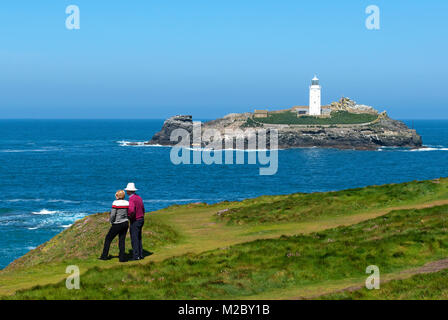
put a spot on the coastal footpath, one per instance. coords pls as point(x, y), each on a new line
point(341, 129)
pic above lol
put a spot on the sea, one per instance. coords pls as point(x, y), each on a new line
point(53, 172)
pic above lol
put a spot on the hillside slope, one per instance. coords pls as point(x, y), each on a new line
point(84, 240)
point(200, 235)
point(397, 241)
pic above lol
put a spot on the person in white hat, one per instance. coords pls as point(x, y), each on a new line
point(131, 187)
point(136, 215)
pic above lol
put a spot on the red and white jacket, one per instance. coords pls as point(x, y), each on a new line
point(119, 212)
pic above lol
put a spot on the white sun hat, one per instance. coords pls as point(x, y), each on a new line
point(131, 187)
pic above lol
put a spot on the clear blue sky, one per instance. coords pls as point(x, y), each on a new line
point(153, 59)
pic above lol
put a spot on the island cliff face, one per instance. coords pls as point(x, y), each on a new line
point(382, 132)
point(177, 122)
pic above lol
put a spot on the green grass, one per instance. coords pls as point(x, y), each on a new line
point(432, 286)
point(397, 241)
point(336, 117)
point(84, 241)
point(250, 123)
point(306, 207)
point(194, 235)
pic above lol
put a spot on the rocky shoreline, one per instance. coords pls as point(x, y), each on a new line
point(383, 132)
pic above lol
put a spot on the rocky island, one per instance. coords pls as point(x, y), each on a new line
point(343, 125)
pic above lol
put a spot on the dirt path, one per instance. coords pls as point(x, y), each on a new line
point(429, 267)
point(414, 206)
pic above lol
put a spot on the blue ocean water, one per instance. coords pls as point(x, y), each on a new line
point(53, 172)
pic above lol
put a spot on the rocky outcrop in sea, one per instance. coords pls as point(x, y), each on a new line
point(383, 132)
point(177, 122)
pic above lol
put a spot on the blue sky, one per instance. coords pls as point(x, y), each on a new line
point(154, 59)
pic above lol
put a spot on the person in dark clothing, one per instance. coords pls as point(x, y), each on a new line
point(136, 214)
point(136, 239)
point(120, 224)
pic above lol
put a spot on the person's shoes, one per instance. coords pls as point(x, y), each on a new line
point(136, 259)
point(103, 258)
point(141, 258)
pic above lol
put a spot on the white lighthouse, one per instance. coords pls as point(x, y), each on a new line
point(315, 100)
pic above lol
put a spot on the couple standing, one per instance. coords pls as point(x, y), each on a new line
point(124, 212)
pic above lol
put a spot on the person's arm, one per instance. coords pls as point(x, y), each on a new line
point(131, 209)
point(113, 214)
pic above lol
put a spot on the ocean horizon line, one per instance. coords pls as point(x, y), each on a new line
point(142, 119)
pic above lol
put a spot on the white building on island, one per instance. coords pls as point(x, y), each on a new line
point(315, 98)
point(314, 108)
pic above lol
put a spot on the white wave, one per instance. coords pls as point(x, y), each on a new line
point(30, 150)
point(40, 200)
point(32, 228)
point(198, 149)
point(124, 143)
point(63, 201)
point(22, 200)
point(423, 149)
point(157, 145)
point(31, 248)
point(66, 226)
point(429, 149)
point(45, 212)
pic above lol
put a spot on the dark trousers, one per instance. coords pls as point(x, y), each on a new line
point(136, 238)
point(117, 229)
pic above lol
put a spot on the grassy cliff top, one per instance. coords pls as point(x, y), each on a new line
point(336, 117)
point(309, 206)
point(288, 246)
point(395, 242)
point(84, 241)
